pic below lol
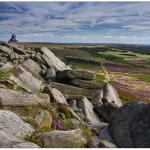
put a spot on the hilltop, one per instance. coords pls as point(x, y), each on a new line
point(63, 96)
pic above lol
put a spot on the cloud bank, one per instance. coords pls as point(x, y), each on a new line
point(73, 22)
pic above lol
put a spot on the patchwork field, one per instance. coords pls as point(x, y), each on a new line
point(127, 67)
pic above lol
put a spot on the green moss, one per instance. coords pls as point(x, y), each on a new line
point(88, 130)
point(69, 124)
point(6, 73)
point(44, 129)
point(39, 142)
point(33, 138)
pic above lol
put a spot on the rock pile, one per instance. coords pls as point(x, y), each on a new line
point(45, 103)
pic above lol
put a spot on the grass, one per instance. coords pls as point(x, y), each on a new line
point(143, 77)
point(74, 52)
point(6, 73)
point(99, 78)
point(69, 124)
point(85, 66)
point(125, 57)
point(126, 96)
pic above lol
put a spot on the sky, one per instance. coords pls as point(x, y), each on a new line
point(76, 22)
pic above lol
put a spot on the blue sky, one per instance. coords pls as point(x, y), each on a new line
point(76, 22)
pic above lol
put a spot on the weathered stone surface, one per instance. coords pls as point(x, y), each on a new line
point(86, 84)
point(15, 98)
point(140, 128)
point(98, 98)
point(87, 107)
point(26, 80)
point(105, 135)
point(18, 48)
point(130, 125)
point(100, 125)
point(52, 60)
point(38, 58)
point(106, 144)
point(31, 66)
point(6, 50)
point(63, 139)
point(67, 75)
point(6, 66)
point(9, 141)
point(11, 124)
point(55, 95)
point(69, 111)
point(105, 111)
point(111, 95)
point(43, 119)
point(73, 104)
point(51, 73)
point(74, 91)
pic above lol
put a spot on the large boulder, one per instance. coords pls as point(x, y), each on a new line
point(110, 95)
point(55, 95)
point(26, 80)
point(87, 107)
point(7, 66)
point(50, 74)
point(18, 48)
point(15, 98)
point(52, 60)
point(130, 125)
point(67, 75)
point(33, 67)
point(9, 141)
point(63, 139)
point(7, 51)
point(86, 84)
point(43, 119)
point(73, 91)
point(105, 111)
point(12, 124)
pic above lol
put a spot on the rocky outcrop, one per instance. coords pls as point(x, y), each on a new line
point(7, 66)
point(51, 60)
point(7, 51)
point(14, 98)
point(87, 107)
point(67, 75)
point(50, 74)
point(105, 111)
point(11, 124)
point(63, 139)
point(43, 91)
point(86, 84)
point(33, 67)
point(74, 91)
point(55, 95)
point(130, 125)
point(23, 78)
point(108, 94)
point(111, 95)
point(9, 141)
point(18, 48)
point(43, 119)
